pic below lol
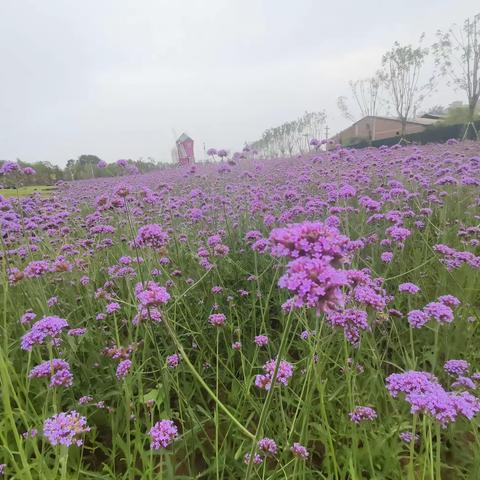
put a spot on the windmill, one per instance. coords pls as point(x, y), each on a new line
point(185, 150)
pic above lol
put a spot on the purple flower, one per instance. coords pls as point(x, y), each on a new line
point(36, 268)
point(315, 284)
point(151, 294)
point(362, 414)
point(284, 373)
point(9, 167)
point(52, 301)
point(352, 321)
point(173, 360)
point(162, 434)
point(65, 428)
point(449, 300)
point(112, 307)
point(57, 369)
point(311, 239)
point(267, 446)
point(27, 317)
point(237, 345)
point(456, 367)
point(257, 459)
point(464, 382)
point(439, 311)
point(151, 236)
point(261, 340)
point(386, 257)
point(299, 451)
point(417, 318)
point(407, 437)
point(47, 327)
point(408, 288)
point(123, 368)
point(217, 319)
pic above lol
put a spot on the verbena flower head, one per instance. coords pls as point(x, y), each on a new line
point(439, 311)
point(151, 294)
point(456, 367)
point(65, 428)
point(173, 360)
point(299, 451)
point(362, 414)
point(261, 340)
point(162, 434)
point(257, 459)
point(152, 236)
point(46, 328)
point(57, 369)
point(425, 395)
point(407, 437)
point(267, 445)
point(217, 319)
point(284, 373)
point(408, 288)
point(123, 368)
point(309, 239)
point(314, 283)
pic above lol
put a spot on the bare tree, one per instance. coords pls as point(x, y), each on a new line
point(402, 67)
point(343, 107)
point(366, 93)
point(457, 53)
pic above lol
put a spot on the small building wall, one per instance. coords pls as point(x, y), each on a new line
point(377, 128)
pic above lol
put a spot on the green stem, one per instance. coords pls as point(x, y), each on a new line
point(266, 405)
point(199, 378)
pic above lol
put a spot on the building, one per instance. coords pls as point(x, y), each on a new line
point(372, 128)
point(185, 150)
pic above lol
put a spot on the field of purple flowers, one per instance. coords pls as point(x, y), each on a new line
point(306, 318)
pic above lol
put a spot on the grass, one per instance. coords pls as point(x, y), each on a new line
point(25, 191)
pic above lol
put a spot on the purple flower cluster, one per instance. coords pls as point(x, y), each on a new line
point(217, 319)
point(309, 239)
point(57, 369)
point(162, 434)
point(362, 414)
point(123, 368)
point(284, 373)
point(47, 327)
point(65, 428)
point(314, 283)
point(152, 236)
point(352, 320)
point(425, 395)
point(439, 311)
point(151, 294)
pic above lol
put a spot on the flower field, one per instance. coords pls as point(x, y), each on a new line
point(315, 317)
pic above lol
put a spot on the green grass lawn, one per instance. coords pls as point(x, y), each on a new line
point(24, 191)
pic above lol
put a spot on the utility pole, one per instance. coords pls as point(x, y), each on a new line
point(326, 137)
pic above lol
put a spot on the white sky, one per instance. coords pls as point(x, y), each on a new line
point(117, 78)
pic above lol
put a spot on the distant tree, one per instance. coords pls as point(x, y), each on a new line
point(344, 110)
point(291, 137)
point(437, 110)
point(402, 66)
point(457, 53)
point(366, 93)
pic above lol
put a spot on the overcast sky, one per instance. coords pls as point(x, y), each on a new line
point(121, 78)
